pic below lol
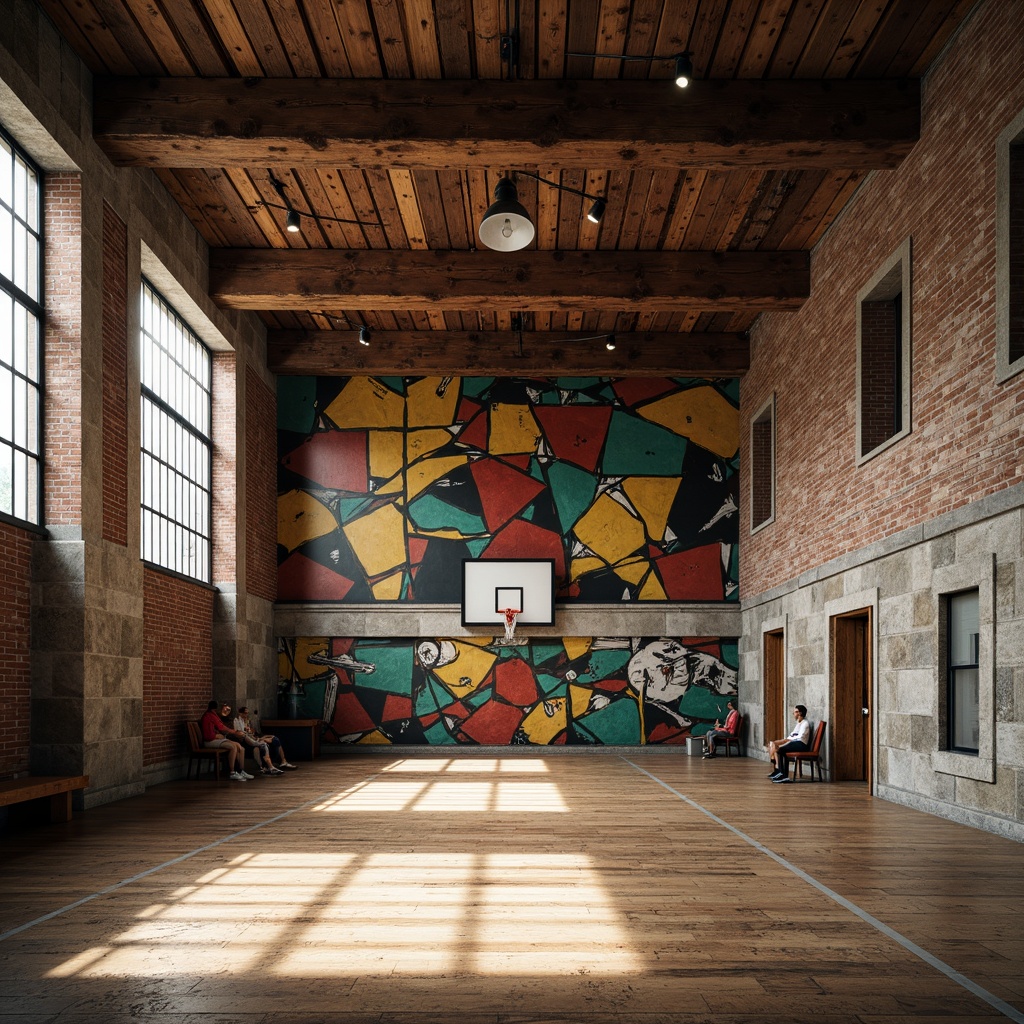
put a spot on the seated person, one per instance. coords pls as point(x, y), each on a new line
point(798, 739)
point(722, 732)
point(217, 734)
point(271, 745)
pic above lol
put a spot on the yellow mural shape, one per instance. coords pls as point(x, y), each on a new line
point(514, 431)
point(422, 442)
point(423, 474)
point(301, 518)
point(652, 497)
point(609, 530)
point(387, 453)
point(375, 737)
point(580, 698)
point(473, 664)
point(378, 539)
point(652, 590)
point(576, 646)
point(545, 721)
point(389, 588)
point(432, 402)
point(633, 569)
point(365, 402)
point(581, 566)
point(701, 414)
point(303, 647)
point(396, 485)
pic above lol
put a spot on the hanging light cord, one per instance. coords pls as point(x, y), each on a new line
point(314, 216)
point(559, 186)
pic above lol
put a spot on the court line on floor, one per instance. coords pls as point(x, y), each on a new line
point(114, 886)
point(933, 961)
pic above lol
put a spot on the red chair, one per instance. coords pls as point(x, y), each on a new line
point(811, 757)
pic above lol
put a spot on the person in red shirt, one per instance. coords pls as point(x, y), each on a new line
point(217, 734)
point(720, 732)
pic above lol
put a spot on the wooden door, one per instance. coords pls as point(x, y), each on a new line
point(774, 662)
point(850, 727)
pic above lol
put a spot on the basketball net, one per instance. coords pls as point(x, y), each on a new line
point(510, 624)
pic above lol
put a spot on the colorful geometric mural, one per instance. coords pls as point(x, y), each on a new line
point(481, 691)
point(387, 484)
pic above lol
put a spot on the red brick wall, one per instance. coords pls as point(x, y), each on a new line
point(967, 432)
point(177, 661)
point(15, 674)
point(62, 491)
point(115, 361)
point(261, 487)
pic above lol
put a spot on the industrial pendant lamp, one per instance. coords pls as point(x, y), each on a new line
point(506, 226)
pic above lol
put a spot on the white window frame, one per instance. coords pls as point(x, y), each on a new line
point(21, 317)
point(176, 447)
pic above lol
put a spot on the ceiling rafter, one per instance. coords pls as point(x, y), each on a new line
point(179, 122)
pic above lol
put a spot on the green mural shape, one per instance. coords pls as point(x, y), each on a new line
point(638, 448)
point(616, 723)
point(397, 384)
point(699, 702)
point(393, 668)
point(296, 404)
point(438, 735)
point(473, 386)
point(549, 685)
point(351, 508)
point(430, 513)
point(572, 490)
point(540, 652)
point(607, 664)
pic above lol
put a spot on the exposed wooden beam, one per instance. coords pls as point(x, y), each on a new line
point(181, 122)
point(314, 279)
point(499, 353)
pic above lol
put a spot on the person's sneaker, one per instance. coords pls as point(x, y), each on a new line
point(273, 771)
point(288, 766)
point(238, 777)
point(782, 778)
point(246, 775)
point(707, 757)
point(771, 775)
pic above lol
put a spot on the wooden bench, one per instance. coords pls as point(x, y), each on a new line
point(58, 788)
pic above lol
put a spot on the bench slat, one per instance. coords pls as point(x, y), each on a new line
point(35, 787)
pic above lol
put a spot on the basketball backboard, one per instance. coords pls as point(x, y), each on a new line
point(490, 585)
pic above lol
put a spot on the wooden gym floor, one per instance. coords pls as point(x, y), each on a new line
point(602, 888)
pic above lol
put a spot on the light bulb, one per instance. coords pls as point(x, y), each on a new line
point(506, 228)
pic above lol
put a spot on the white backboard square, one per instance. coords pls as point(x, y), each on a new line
point(490, 585)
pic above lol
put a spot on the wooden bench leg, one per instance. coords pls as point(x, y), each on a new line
point(60, 806)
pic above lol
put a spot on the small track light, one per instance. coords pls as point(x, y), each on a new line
point(364, 335)
point(684, 69)
point(610, 343)
point(597, 211)
point(293, 222)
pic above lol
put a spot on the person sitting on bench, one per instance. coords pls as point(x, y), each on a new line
point(217, 734)
point(270, 746)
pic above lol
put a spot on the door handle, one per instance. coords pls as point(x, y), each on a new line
point(865, 711)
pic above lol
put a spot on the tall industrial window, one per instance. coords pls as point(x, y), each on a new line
point(1010, 250)
point(762, 466)
point(883, 356)
point(962, 666)
point(176, 450)
point(21, 319)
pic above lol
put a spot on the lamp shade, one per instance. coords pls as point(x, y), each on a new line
point(506, 226)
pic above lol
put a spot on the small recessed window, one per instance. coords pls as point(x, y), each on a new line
point(762, 466)
point(883, 357)
point(1010, 250)
point(963, 635)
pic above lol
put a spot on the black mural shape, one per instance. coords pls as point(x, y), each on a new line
point(439, 577)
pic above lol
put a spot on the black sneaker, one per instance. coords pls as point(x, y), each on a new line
point(707, 757)
point(783, 778)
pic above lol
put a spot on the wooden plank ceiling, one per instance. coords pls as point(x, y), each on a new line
point(387, 124)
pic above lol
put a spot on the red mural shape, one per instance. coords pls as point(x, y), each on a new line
point(514, 681)
point(521, 539)
point(493, 722)
point(694, 575)
point(350, 715)
point(575, 433)
point(337, 459)
point(503, 491)
point(474, 433)
point(299, 576)
point(396, 708)
point(635, 390)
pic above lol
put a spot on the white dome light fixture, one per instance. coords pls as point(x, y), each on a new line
point(506, 226)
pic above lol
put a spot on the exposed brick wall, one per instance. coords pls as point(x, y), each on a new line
point(115, 362)
point(261, 487)
point(15, 642)
point(225, 457)
point(967, 432)
point(177, 661)
point(877, 373)
point(62, 491)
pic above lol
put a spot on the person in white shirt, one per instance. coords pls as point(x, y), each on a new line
point(268, 746)
point(798, 739)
